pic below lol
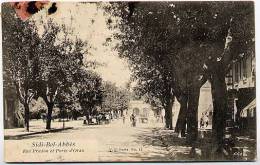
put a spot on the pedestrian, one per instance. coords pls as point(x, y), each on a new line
point(107, 118)
point(206, 121)
point(123, 119)
point(133, 120)
point(201, 122)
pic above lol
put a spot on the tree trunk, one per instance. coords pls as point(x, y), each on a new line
point(26, 116)
point(86, 119)
point(49, 115)
point(181, 121)
point(168, 113)
point(166, 118)
point(192, 115)
point(86, 114)
point(219, 96)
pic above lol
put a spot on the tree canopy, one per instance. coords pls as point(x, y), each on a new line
point(189, 43)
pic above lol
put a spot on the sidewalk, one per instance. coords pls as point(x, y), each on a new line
point(177, 147)
point(38, 127)
point(180, 150)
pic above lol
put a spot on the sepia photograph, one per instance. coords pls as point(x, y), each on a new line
point(129, 81)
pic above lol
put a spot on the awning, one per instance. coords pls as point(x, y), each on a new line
point(249, 108)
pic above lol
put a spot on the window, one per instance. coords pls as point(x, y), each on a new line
point(244, 68)
point(236, 72)
point(136, 111)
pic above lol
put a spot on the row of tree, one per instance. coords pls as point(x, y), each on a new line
point(174, 47)
point(50, 65)
point(39, 65)
point(115, 99)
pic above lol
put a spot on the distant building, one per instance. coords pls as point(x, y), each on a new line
point(209, 113)
point(175, 112)
point(140, 109)
point(205, 101)
point(242, 73)
point(205, 104)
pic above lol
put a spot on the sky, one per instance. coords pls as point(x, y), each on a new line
point(88, 22)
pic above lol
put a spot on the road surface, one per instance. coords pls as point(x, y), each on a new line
point(112, 142)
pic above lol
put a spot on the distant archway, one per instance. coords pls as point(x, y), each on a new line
point(136, 111)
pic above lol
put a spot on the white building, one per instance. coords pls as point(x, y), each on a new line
point(205, 103)
point(140, 108)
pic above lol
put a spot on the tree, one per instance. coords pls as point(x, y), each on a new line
point(89, 91)
point(20, 45)
point(237, 42)
point(156, 86)
point(145, 47)
point(114, 98)
point(60, 59)
point(216, 33)
point(149, 37)
point(194, 38)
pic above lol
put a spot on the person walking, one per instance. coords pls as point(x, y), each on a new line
point(133, 120)
point(123, 119)
point(206, 121)
point(202, 121)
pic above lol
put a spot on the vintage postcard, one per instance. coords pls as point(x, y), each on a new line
point(129, 81)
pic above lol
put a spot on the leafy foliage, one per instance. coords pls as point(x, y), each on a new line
point(184, 43)
point(114, 98)
point(180, 37)
point(88, 90)
point(20, 46)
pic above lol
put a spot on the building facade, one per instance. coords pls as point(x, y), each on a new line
point(141, 110)
point(241, 84)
